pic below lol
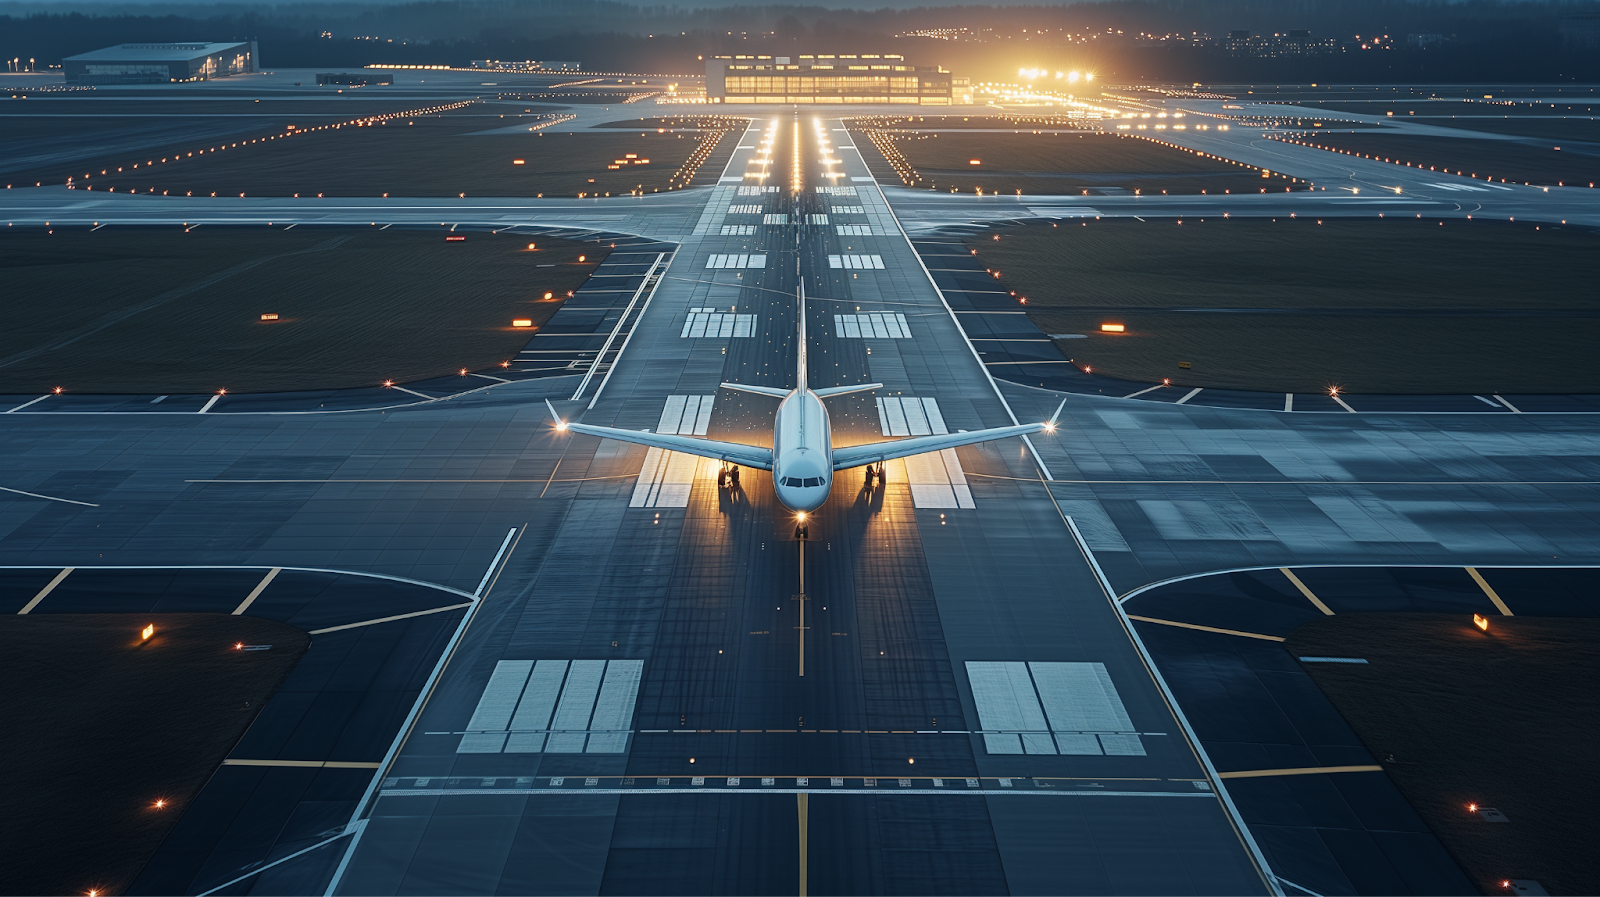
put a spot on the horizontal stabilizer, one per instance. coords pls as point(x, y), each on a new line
point(759, 390)
point(846, 390)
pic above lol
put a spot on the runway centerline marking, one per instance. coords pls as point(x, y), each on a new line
point(69, 501)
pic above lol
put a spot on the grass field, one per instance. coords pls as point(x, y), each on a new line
point(157, 310)
point(1505, 719)
point(1089, 163)
point(434, 155)
point(49, 140)
point(1510, 161)
point(1371, 306)
point(102, 724)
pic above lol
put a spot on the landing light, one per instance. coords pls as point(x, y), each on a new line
point(801, 516)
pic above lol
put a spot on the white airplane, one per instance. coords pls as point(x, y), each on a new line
point(803, 458)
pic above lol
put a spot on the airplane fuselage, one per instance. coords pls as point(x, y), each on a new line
point(802, 452)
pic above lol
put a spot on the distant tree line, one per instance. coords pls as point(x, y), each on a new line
point(1483, 40)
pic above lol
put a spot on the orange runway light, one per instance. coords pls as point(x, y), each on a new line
point(57, 390)
point(147, 631)
point(530, 247)
point(522, 322)
point(1480, 621)
point(549, 295)
point(974, 161)
point(160, 804)
point(269, 316)
point(1113, 328)
point(462, 372)
point(518, 162)
point(582, 258)
point(505, 364)
point(455, 239)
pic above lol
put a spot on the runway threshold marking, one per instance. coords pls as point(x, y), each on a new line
point(1301, 771)
point(1489, 590)
point(1269, 638)
point(1310, 596)
point(418, 613)
point(256, 592)
point(49, 587)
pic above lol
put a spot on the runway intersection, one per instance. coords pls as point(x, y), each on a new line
point(965, 618)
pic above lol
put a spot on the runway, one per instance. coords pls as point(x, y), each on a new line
point(680, 749)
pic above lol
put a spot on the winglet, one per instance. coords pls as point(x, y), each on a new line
point(560, 424)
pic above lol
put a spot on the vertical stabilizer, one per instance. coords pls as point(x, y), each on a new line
point(800, 367)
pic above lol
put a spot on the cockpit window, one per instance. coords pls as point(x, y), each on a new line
point(797, 481)
point(813, 481)
point(790, 481)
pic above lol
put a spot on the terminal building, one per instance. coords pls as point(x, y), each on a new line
point(867, 78)
point(161, 63)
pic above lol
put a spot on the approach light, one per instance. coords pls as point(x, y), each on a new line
point(1480, 621)
point(147, 631)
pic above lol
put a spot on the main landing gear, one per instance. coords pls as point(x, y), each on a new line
point(728, 477)
point(875, 472)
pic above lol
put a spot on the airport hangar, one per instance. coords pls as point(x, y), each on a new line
point(1005, 581)
point(162, 63)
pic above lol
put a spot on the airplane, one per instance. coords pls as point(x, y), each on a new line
point(803, 458)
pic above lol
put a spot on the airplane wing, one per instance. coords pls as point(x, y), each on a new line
point(732, 452)
point(873, 452)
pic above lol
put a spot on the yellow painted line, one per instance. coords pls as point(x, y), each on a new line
point(1302, 771)
point(419, 613)
point(49, 587)
point(305, 764)
point(805, 826)
point(1305, 591)
point(1268, 638)
point(1489, 590)
point(256, 592)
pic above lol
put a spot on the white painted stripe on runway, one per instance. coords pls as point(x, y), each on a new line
point(576, 706)
point(1080, 699)
point(1288, 401)
point(854, 230)
point(736, 260)
point(707, 324)
point(1192, 393)
point(667, 478)
point(532, 721)
point(1005, 699)
point(1503, 401)
point(1342, 404)
point(495, 707)
point(858, 262)
point(872, 326)
point(209, 402)
point(738, 230)
point(1143, 391)
point(980, 792)
point(29, 402)
point(613, 712)
point(48, 588)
